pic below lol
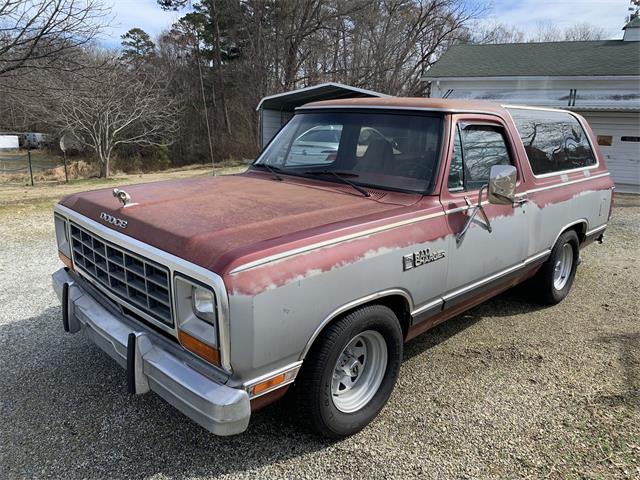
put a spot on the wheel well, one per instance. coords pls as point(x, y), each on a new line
point(580, 229)
point(397, 303)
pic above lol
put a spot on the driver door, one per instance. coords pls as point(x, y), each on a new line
point(474, 259)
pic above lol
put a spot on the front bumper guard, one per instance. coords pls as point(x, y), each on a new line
point(150, 362)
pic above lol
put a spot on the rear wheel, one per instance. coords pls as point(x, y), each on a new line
point(555, 278)
point(350, 371)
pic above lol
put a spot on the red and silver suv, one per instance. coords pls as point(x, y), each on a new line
point(220, 294)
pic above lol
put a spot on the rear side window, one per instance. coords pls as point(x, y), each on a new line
point(554, 141)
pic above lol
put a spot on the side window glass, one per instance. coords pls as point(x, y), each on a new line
point(483, 146)
point(554, 141)
point(456, 172)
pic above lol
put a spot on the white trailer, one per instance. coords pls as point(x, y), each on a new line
point(9, 142)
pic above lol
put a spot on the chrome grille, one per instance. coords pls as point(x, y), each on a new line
point(135, 280)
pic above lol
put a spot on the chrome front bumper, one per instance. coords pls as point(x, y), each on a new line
point(153, 363)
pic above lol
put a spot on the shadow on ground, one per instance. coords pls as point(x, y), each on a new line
point(66, 399)
point(628, 346)
point(514, 301)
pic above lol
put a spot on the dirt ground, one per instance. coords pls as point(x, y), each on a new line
point(507, 390)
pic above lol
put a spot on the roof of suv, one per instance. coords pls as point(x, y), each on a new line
point(410, 103)
point(420, 103)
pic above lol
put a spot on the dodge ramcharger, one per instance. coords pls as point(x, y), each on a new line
point(363, 223)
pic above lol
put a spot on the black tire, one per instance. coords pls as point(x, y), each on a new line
point(544, 283)
point(313, 387)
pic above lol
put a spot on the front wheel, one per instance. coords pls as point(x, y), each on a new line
point(350, 371)
point(556, 275)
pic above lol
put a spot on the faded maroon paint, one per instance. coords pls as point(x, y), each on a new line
point(217, 222)
point(570, 190)
point(415, 102)
point(258, 279)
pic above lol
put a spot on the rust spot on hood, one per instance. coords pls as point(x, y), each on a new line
point(212, 222)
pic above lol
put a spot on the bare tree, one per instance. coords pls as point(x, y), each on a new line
point(216, 62)
point(546, 32)
point(494, 33)
point(382, 45)
point(38, 33)
point(583, 31)
point(109, 105)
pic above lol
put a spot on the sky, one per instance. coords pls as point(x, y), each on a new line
point(526, 14)
point(523, 14)
point(144, 14)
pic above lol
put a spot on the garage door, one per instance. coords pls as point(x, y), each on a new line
point(619, 138)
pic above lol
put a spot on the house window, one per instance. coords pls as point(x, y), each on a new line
point(605, 140)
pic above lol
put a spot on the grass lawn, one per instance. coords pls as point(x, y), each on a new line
point(44, 195)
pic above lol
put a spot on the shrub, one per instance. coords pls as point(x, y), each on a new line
point(127, 164)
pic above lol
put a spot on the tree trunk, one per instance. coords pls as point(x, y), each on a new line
point(104, 168)
point(223, 99)
point(103, 158)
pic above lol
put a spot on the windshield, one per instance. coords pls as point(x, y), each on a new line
point(379, 150)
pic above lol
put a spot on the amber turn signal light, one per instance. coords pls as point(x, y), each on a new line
point(66, 260)
point(207, 352)
point(267, 384)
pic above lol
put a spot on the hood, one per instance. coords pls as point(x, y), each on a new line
point(215, 221)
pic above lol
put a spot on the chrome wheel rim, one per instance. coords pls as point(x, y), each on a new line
point(562, 268)
point(359, 371)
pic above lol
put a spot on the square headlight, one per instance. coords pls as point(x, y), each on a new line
point(204, 304)
point(196, 310)
point(62, 235)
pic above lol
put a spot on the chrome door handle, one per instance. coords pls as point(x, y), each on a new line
point(519, 202)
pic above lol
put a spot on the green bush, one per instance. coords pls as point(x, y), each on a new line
point(159, 159)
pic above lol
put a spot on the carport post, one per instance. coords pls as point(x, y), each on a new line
point(30, 169)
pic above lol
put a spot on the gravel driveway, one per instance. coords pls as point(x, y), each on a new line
point(508, 389)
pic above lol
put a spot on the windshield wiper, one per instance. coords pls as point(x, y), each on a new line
point(341, 178)
point(273, 170)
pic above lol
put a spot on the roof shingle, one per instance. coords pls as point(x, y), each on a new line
point(590, 58)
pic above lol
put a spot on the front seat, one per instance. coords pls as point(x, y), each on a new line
point(378, 157)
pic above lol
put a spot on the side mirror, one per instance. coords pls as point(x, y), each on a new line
point(502, 184)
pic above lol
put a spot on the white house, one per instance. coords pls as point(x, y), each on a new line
point(598, 79)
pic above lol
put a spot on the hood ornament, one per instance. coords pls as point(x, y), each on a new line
point(121, 195)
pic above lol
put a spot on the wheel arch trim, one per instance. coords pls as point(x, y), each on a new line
point(351, 305)
point(585, 228)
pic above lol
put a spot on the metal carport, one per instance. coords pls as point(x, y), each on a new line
point(276, 110)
